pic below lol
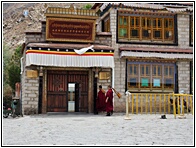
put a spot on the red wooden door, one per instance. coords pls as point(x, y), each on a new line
point(57, 91)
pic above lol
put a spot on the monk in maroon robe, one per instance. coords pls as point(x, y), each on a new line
point(109, 101)
point(100, 102)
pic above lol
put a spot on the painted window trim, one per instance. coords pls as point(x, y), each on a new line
point(159, 89)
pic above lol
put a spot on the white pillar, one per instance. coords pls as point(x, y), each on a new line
point(113, 85)
point(113, 77)
point(128, 95)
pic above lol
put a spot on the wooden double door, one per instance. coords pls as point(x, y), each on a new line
point(59, 94)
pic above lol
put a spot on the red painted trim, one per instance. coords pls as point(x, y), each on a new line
point(162, 50)
point(71, 54)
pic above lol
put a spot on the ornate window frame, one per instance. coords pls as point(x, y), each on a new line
point(150, 76)
point(144, 28)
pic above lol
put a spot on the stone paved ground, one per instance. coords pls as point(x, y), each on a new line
point(89, 129)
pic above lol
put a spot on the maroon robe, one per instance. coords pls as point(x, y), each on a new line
point(109, 103)
point(100, 102)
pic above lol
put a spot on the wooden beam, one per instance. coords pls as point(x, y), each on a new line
point(73, 16)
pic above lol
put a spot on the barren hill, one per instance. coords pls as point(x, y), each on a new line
point(15, 22)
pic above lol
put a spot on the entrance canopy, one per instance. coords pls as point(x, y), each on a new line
point(156, 53)
point(69, 55)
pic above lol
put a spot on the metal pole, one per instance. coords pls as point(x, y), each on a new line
point(174, 107)
point(181, 92)
point(181, 105)
point(128, 94)
point(181, 115)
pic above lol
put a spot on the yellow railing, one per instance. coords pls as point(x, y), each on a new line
point(183, 104)
point(152, 103)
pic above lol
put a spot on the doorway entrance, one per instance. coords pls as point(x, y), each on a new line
point(73, 97)
point(67, 91)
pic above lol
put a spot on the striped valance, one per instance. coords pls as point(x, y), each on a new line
point(69, 59)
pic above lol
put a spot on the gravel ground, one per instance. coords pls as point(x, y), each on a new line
point(89, 129)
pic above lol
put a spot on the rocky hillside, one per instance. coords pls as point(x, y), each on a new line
point(15, 23)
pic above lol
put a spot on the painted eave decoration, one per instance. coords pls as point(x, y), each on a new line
point(69, 55)
point(174, 8)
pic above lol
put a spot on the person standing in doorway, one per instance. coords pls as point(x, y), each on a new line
point(109, 101)
point(100, 101)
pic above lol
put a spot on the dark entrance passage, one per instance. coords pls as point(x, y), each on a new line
point(67, 91)
point(73, 97)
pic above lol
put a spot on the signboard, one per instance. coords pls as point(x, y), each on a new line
point(71, 30)
point(104, 75)
point(32, 73)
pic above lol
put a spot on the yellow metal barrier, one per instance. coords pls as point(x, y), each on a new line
point(178, 106)
point(191, 107)
point(187, 103)
point(168, 100)
point(155, 98)
point(132, 97)
point(136, 103)
point(141, 102)
point(163, 103)
point(174, 106)
point(184, 103)
point(150, 103)
point(146, 104)
point(160, 102)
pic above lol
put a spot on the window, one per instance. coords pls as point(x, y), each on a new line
point(157, 28)
point(133, 76)
point(156, 76)
point(107, 25)
point(150, 76)
point(145, 76)
point(168, 31)
point(168, 76)
point(123, 27)
point(146, 28)
point(134, 27)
